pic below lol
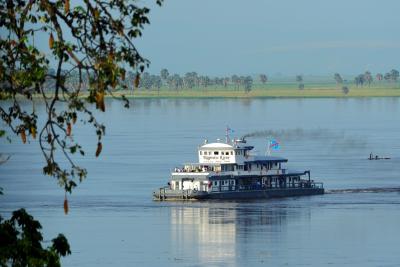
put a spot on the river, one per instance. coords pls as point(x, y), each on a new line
point(113, 220)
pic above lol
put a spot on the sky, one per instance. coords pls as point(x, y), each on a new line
point(285, 37)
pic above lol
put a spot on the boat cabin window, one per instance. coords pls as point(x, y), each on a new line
point(215, 183)
point(226, 153)
point(215, 152)
point(231, 152)
point(201, 153)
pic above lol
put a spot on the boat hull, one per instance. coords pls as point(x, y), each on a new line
point(236, 195)
point(271, 193)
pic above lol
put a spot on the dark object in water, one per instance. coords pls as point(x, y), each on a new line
point(376, 157)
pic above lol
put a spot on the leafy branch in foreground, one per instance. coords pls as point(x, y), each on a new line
point(90, 38)
point(20, 243)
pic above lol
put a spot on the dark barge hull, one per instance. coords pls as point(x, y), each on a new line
point(271, 193)
point(236, 195)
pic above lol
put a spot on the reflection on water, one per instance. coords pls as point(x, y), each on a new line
point(220, 230)
point(212, 229)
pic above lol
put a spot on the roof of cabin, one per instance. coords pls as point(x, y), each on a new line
point(265, 159)
point(225, 146)
point(216, 145)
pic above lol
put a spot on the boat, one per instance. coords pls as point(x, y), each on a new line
point(376, 157)
point(229, 170)
point(4, 158)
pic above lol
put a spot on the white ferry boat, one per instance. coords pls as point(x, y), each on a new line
point(228, 170)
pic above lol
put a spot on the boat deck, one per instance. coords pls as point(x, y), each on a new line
point(240, 192)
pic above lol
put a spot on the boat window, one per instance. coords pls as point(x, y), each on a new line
point(215, 182)
point(231, 152)
point(216, 152)
point(201, 153)
point(226, 153)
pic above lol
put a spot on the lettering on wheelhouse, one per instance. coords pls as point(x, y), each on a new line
point(216, 159)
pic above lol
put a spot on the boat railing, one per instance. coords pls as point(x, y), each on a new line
point(235, 172)
point(190, 170)
point(292, 185)
point(252, 172)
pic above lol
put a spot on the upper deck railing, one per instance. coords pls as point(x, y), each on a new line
point(213, 172)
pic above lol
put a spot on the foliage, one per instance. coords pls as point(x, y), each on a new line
point(263, 78)
point(248, 83)
point(299, 78)
point(394, 75)
point(20, 243)
point(345, 90)
point(91, 44)
point(368, 77)
point(338, 78)
point(164, 74)
point(359, 80)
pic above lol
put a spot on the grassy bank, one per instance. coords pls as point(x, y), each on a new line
point(273, 92)
point(287, 90)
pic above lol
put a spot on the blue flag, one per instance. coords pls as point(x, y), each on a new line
point(274, 144)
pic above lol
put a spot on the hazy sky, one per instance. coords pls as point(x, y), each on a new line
point(219, 37)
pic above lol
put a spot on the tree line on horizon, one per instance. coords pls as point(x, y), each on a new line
point(366, 78)
point(193, 80)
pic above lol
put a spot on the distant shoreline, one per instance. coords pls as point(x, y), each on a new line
point(365, 92)
point(265, 93)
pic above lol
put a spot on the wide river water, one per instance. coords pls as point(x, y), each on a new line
point(113, 220)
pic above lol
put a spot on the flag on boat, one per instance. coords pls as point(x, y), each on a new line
point(274, 144)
